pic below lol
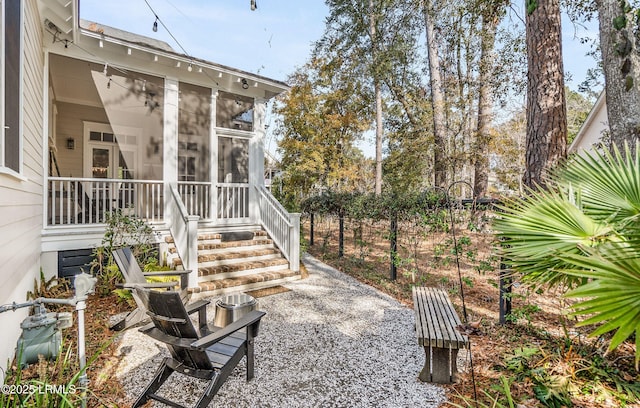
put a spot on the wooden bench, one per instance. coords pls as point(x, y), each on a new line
point(436, 329)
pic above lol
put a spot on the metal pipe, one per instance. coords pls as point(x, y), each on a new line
point(82, 358)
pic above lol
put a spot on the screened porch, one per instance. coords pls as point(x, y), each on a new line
point(120, 139)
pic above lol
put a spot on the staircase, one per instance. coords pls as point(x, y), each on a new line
point(236, 262)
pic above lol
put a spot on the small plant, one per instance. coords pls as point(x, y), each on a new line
point(484, 267)
point(49, 288)
point(560, 374)
point(122, 230)
point(501, 399)
point(50, 385)
point(467, 281)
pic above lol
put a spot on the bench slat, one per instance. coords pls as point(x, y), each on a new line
point(451, 321)
point(419, 317)
point(431, 336)
point(436, 319)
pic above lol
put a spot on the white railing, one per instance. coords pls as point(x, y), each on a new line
point(73, 201)
point(196, 197)
point(184, 229)
point(283, 227)
point(233, 201)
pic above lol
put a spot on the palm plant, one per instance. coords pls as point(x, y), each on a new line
point(583, 233)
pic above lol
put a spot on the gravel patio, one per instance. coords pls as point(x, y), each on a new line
point(330, 341)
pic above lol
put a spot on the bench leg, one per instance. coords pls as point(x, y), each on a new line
point(425, 374)
point(438, 372)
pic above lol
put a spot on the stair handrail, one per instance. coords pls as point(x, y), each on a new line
point(283, 227)
point(184, 229)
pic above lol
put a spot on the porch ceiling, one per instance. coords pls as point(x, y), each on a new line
point(72, 82)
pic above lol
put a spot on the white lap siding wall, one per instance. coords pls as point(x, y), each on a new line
point(21, 198)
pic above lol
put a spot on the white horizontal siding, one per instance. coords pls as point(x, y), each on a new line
point(21, 200)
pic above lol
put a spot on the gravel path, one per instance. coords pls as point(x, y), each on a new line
point(329, 342)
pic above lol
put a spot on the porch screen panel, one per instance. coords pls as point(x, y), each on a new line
point(194, 142)
point(194, 149)
point(234, 111)
point(233, 160)
point(114, 120)
point(233, 178)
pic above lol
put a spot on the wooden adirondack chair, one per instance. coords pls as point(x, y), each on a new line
point(204, 352)
point(133, 275)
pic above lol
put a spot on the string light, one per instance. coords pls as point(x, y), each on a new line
point(109, 84)
point(189, 68)
point(155, 25)
point(253, 5)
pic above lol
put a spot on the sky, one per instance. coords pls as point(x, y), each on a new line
point(272, 40)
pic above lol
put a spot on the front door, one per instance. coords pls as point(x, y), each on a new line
point(109, 160)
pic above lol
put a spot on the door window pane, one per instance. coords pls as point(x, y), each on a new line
point(100, 163)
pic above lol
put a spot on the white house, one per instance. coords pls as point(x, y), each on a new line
point(96, 119)
point(593, 128)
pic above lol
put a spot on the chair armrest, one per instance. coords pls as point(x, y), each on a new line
point(195, 306)
point(144, 329)
point(166, 273)
point(250, 319)
point(148, 285)
point(154, 333)
point(184, 276)
point(199, 306)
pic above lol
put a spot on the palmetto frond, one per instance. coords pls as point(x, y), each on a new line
point(583, 231)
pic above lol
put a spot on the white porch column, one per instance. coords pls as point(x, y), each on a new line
point(213, 167)
point(170, 142)
point(256, 157)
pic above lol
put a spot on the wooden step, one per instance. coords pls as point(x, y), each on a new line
point(225, 258)
point(231, 246)
point(241, 268)
point(245, 283)
point(201, 237)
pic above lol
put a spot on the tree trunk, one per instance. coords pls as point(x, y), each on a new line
point(546, 106)
point(378, 96)
point(621, 62)
point(437, 99)
point(485, 109)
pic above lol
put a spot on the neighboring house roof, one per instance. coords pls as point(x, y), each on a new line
point(593, 127)
point(125, 35)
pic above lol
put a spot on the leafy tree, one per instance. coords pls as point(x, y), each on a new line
point(508, 147)
point(437, 95)
point(578, 108)
point(620, 46)
point(546, 105)
point(321, 119)
point(492, 13)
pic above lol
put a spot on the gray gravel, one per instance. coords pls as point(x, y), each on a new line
point(329, 342)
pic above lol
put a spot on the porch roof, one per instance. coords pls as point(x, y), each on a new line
point(62, 17)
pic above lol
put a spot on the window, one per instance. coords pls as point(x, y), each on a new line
point(10, 84)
